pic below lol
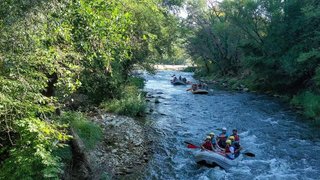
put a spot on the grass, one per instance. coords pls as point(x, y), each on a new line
point(131, 103)
point(89, 132)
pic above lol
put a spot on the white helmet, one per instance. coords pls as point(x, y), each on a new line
point(224, 129)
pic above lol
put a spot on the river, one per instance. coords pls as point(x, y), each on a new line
point(285, 145)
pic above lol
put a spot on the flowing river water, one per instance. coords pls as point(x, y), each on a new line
point(285, 145)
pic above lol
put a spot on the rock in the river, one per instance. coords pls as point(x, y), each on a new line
point(156, 100)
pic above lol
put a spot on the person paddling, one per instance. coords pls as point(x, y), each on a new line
point(229, 150)
point(236, 136)
point(174, 79)
point(236, 142)
point(193, 87)
point(223, 136)
point(184, 80)
point(207, 144)
point(235, 145)
point(213, 139)
point(231, 138)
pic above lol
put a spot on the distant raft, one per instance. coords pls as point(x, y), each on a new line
point(215, 159)
point(200, 91)
point(178, 82)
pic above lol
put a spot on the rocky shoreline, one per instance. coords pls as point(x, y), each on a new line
point(123, 152)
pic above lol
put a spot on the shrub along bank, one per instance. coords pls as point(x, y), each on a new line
point(54, 50)
point(269, 46)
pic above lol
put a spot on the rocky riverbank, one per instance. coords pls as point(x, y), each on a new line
point(123, 152)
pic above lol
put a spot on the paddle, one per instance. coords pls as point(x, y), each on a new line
point(249, 154)
point(192, 146)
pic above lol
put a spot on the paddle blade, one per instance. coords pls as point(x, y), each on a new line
point(192, 146)
point(249, 154)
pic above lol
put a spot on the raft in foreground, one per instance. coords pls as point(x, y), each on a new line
point(212, 158)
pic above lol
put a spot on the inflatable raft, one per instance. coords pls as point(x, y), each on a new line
point(213, 159)
point(178, 82)
point(199, 91)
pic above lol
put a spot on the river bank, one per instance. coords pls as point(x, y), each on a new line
point(122, 153)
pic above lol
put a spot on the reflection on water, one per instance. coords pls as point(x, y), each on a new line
point(285, 147)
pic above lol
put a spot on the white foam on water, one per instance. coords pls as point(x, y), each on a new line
point(250, 141)
point(240, 169)
point(279, 169)
point(212, 173)
point(270, 120)
point(300, 141)
point(244, 133)
point(277, 177)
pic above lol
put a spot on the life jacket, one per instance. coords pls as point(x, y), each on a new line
point(229, 154)
point(236, 137)
point(223, 137)
point(236, 145)
point(213, 141)
point(208, 145)
point(227, 149)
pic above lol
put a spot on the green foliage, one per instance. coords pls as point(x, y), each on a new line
point(189, 69)
point(137, 82)
point(131, 103)
point(91, 46)
point(276, 42)
point(310, 102)
point(89, 132)
point(64, 153)
point(31, 156)
point(27, 56)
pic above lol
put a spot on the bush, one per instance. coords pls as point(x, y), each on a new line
point(131, 103)
point(189, 69)
point(31, 157)
point(89, 132)
point(136, 81)
point(310, 102)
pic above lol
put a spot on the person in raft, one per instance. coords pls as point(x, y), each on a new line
point(236, 142)
point(222, 138)
point(184, 80)
point(193, 87)
point(174, 79)
point(207, 145)
point(213, 139)
point(235, 145)
point(229, 150)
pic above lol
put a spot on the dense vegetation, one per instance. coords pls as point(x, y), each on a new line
point(268, 45)
point(60, 58)
point(61, 55)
